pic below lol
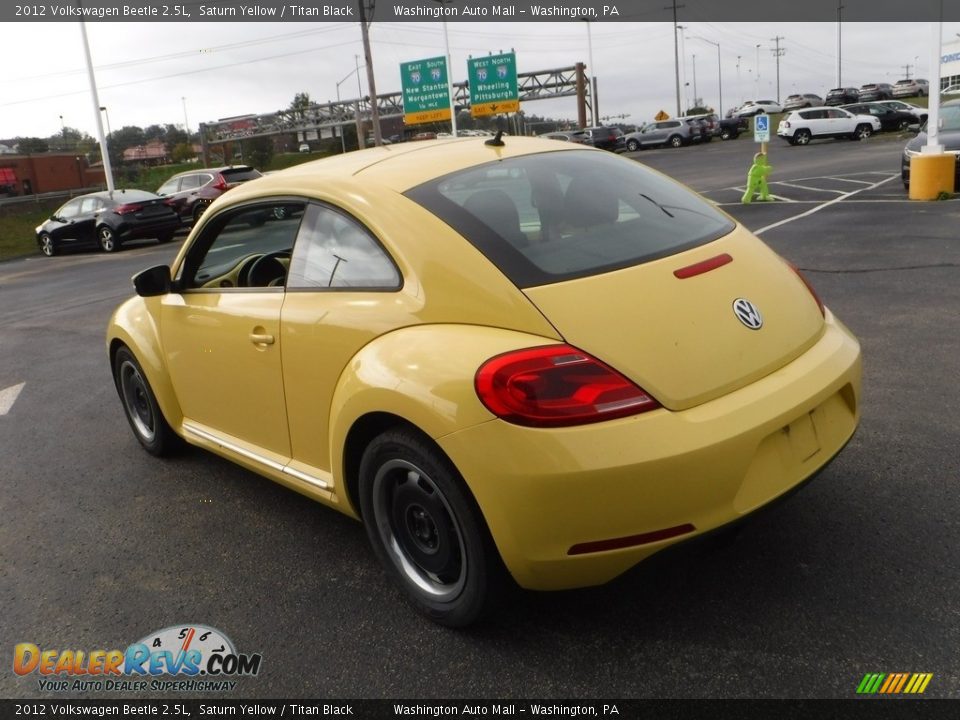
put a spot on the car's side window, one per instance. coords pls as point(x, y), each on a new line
point(189, 182)
point(335, 251)
point(169, 187)
point(71, 209)
point(245, 247)
point(89, 205)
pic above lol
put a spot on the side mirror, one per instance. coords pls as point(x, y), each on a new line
point(55, 217)
point(153, 281)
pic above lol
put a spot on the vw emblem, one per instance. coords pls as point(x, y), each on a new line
point(747, 313)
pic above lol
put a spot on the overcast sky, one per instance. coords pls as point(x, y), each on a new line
point(144, 70)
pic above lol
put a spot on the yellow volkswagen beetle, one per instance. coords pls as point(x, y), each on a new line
point(509, 358)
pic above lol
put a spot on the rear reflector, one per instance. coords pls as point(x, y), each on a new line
point(630, 540)
point(557, 386)
point(703, 267)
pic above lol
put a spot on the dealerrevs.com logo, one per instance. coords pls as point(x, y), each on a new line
point(201, 659)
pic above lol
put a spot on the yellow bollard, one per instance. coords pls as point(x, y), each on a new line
point(931, 175)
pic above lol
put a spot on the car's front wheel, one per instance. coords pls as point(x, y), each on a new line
point(107, 239)
point(47, 246)
point(862, 132)
point(426, 529)
point(140, 405)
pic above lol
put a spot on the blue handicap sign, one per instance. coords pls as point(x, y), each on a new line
point(763, 123)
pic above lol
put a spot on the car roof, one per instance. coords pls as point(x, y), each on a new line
point(194, 171)
point(399, 167)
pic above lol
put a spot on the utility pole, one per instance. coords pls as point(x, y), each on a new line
point(683, 70)
point(371, 83)
point(839, 43)
point(696, 100)
point(676, 53)
point(906, 69)
point(756, 80)
point(778, 52)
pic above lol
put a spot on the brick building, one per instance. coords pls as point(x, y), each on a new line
point(49, 172)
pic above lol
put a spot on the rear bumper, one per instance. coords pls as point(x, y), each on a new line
point(151, 229)
point(543, 492)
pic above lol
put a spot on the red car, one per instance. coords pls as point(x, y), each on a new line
point(192, 191)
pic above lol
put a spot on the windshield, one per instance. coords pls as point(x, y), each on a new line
point(560, 215)
point(950, 117)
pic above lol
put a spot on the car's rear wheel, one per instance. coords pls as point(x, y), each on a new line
point(862, 132)
point(801, 137)
point(140, 405)
point(675, 141)
point(633, 145)
point(166, 237)
point(726, 134)
point(107, 239)
point(427, 530)
point(198, 210)
point(47, 246)
point(903, 125)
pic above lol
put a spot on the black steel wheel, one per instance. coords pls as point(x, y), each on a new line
point(140, 405)
point(427, 530)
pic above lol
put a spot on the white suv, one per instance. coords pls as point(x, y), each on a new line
point(802, 126)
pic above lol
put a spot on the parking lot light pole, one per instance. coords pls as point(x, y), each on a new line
point(593, 76)
point(343, 142)
point(719, 73)
point(104, 154)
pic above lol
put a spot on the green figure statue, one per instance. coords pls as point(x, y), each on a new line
point(757, 179)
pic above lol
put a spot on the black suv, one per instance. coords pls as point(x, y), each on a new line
point(605, 138)
point(191, 192)
point(842, 96)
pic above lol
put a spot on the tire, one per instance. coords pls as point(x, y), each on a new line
point(140, 406)
point(633, 145)
point(47, 246)
point(675, 141)
point(198, 210)
point(801, 137)
point(426, 529)
point(165, 238)
point(903, 125)
point(862, 132)
point(107, 239)
point(726, 134)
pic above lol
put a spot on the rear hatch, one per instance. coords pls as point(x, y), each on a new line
point(610, 252)
point(234, 176)
point(680, 338)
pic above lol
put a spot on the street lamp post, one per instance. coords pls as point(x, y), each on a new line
point(593, 77)
point(343, 142)
point(719, 72)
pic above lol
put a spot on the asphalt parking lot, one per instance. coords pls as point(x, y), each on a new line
point(101, 543)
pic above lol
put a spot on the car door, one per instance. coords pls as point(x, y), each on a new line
point(221, 331)
point(841, 122)
point(342, 293)
point(85, 223)
point(63, 227)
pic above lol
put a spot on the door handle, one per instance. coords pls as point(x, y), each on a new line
point(261, 339)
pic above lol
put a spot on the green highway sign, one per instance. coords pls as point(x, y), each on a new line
point(426, 95)
point(493, 84)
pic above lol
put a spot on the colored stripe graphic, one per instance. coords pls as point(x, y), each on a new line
point(894, 683)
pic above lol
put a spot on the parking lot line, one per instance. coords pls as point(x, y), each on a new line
point(807, 187)
point(828, 203)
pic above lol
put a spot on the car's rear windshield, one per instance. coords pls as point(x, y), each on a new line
point(239, 174)
point(129, 196)
point(556, 216)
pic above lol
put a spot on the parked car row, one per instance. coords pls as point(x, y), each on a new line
point(678, 132)
point(948, 136)
point(107, 220)
point(603, 137)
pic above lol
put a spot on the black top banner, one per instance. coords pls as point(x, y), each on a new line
point(482, 11)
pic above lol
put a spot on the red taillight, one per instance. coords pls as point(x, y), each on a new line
point(221, 183)
point(128, 208)
point(170, 203)
point(557, 385)
point(808, 286)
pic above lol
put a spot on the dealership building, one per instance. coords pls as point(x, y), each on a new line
point(950, 65)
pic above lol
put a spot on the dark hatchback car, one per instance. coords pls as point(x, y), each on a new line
point(890, 119)
point(107, 220)
point(949, 137)
point(842, 96)
point(194, 190)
